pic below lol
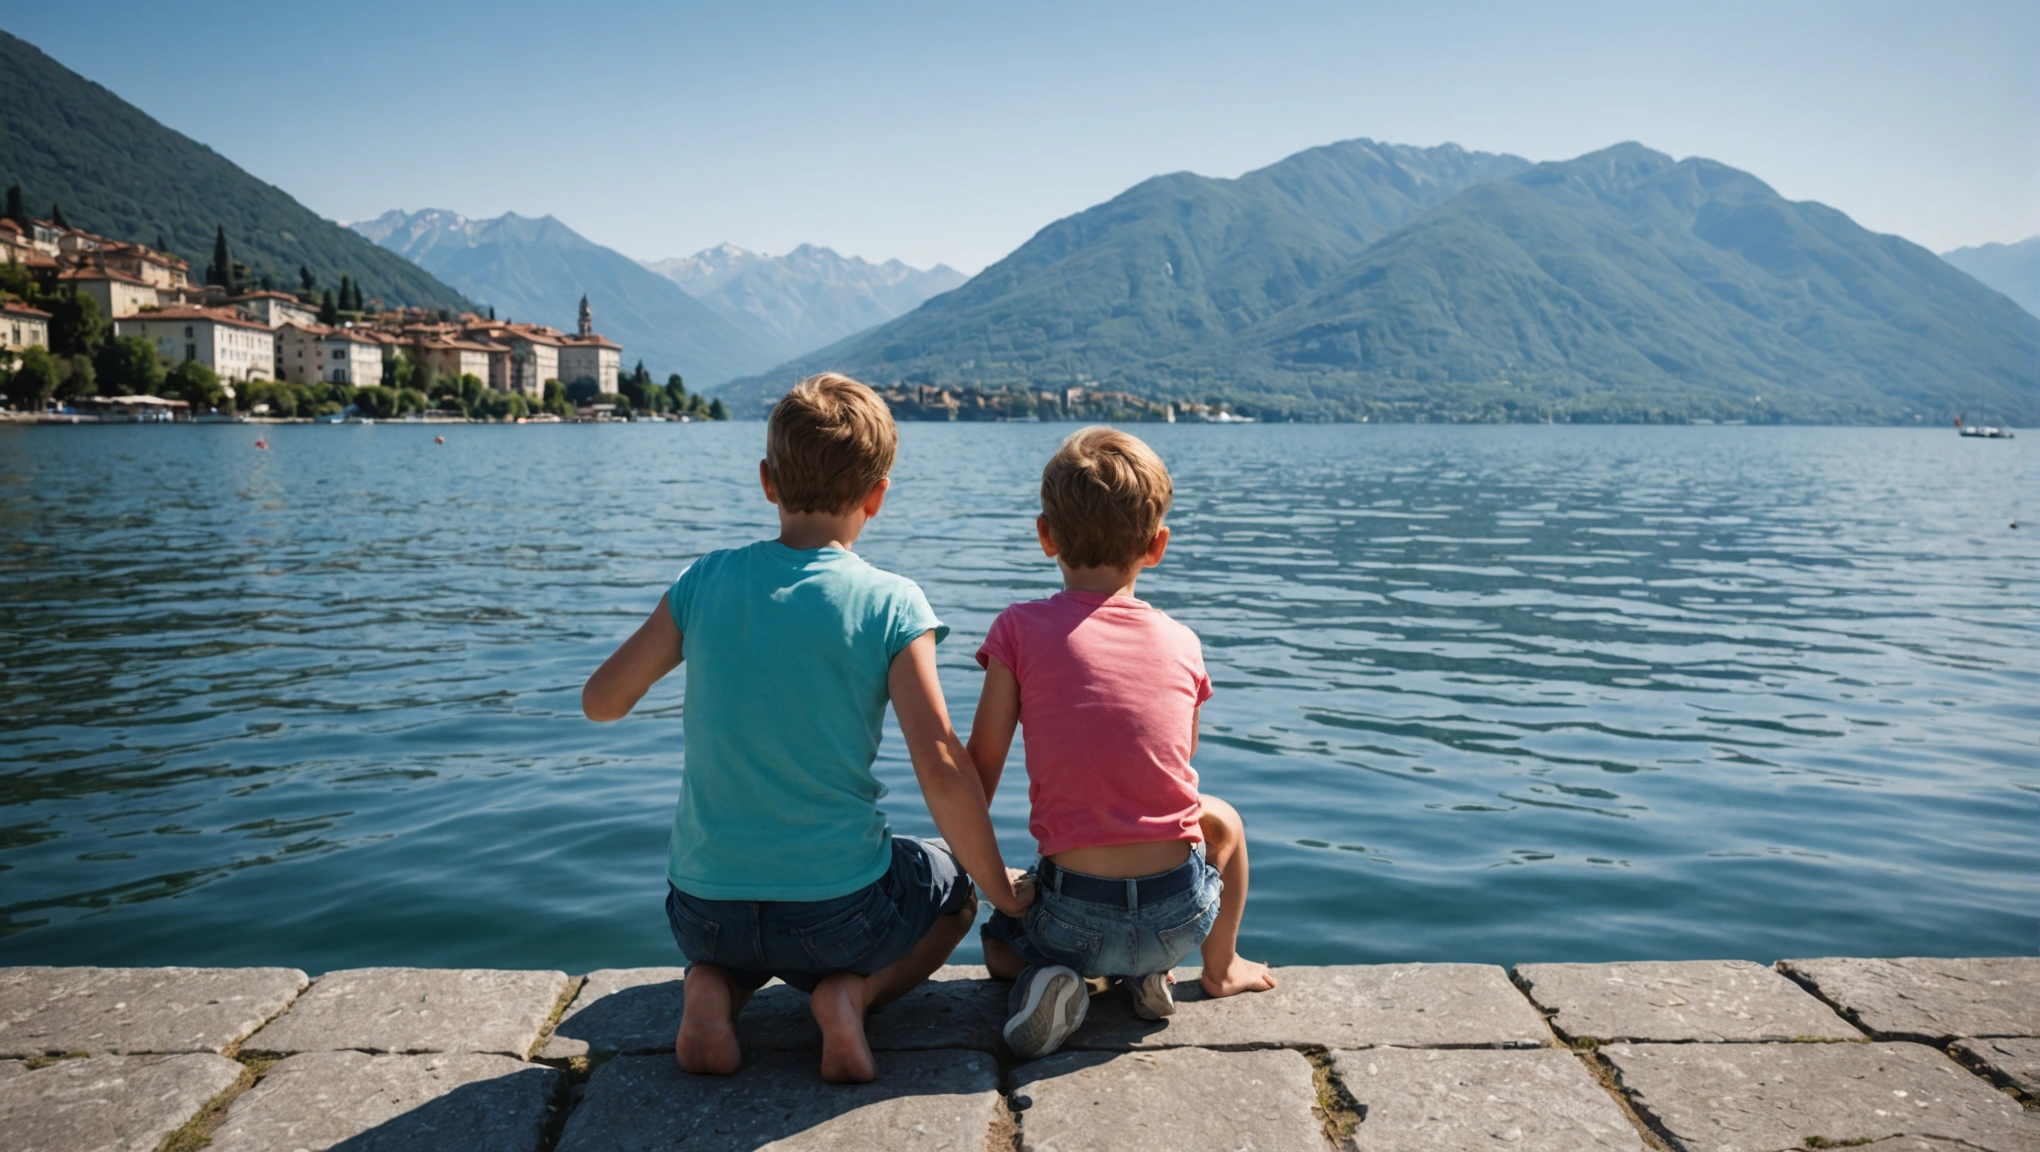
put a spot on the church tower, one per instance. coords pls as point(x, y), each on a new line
point(587, 318)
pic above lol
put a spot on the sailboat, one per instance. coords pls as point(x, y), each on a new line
point(1982, 431)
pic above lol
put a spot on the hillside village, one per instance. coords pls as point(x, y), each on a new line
point(69, 297)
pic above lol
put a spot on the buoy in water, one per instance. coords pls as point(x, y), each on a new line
point(262, 444)
point(439, 439)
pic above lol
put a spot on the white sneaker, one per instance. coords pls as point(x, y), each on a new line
point(1153, 997)
point(1047, 1004)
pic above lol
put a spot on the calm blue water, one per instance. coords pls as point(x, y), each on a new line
point(1495, 694)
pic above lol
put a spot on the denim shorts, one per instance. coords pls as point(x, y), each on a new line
point(801, 941)
point(1105, 927)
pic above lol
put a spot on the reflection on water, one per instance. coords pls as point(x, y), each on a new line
point(1484, 693)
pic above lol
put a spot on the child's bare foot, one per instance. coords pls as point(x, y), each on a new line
point(838, 1005)
point(1239, 975)
point(707, 1043)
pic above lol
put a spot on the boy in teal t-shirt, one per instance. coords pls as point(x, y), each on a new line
point(781, 863)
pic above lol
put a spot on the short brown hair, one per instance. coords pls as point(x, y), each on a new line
point(828, 443)
point(1104, 495)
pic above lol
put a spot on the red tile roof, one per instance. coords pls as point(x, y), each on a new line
point(209, 315)
point(13, 309)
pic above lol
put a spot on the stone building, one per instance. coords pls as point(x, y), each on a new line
point(21, 328)
point(117, 293)
point(221, 339)
point(300, 354)
point(351, 357)
point(448, 356)
point(589, 356)
point(274, 308)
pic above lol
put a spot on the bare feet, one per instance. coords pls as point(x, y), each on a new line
point(707, 1043)
point(838, 1005)
point(1239, 975)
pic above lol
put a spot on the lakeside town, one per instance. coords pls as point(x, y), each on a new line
point(94, 329)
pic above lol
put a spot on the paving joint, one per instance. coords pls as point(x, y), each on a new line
point(1610, 1079)
point(1337, 1110)
point(197, 1131)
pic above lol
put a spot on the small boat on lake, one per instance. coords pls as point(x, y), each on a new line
point(1982, 431)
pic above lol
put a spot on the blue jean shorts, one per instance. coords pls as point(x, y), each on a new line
point(801, 941)
point(1106, 927)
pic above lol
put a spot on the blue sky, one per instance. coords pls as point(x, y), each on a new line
point(954, 131)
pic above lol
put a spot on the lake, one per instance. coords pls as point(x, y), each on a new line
point(1483, 693)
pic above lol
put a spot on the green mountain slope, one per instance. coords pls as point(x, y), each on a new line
point(1178, 261)
point(1622, 285)
point(2013, 269)
point(1625, 285)
point(117, 172)
point(537, 270)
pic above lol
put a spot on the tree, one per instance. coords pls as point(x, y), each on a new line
point(15, 211)
point(196, 384)
point(57, 216)
point(305, 277)
point(717, 411)
point(492, 311)
point(35, 381)
point(76, 327)
point(583, 391)
point(402, 371)
point(329, 312)
point(555, 400)
point(75, 377)
point(347, 295)
point(221, 271)
point(129, 366)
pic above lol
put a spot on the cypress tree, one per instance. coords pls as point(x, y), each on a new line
point(304, 275)
point(222, 270)
point(15, 211)
point(162, 245)
point(346, 294)
point(57, 216)
point(329, 312)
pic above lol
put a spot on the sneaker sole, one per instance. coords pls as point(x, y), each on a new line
point(1152, 998)
point(1056, 1005)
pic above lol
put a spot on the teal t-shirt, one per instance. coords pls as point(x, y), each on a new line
point(786, 653)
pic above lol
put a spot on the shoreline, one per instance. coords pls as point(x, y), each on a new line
point(1633, 1055)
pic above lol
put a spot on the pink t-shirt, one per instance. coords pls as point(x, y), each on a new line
point(1109, 689)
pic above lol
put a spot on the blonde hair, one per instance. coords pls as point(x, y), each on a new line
point(1103, 496)
point(828, 443)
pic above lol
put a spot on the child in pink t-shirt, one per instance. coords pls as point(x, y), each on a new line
point(1108, 690)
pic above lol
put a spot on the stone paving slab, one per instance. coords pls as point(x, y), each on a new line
point(404, 1010)
point(1707, 1001)
point(1930, 1000)
point(1442, 1100)
point(449, 1102)
point(113, 1011)
point(1773, 1097)
point(637, 1010)
point(1356, 1006)
point(921, 1102)
point(109, 1103)
point(1172, 1100)
point(2014, 1063)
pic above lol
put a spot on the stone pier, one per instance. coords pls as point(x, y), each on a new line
point(1900, 1055)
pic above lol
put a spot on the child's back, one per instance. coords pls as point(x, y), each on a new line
point(781, 863)
point(788, 651)
point(1107, 688)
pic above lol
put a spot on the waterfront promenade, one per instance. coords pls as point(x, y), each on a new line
point(1727, 1056)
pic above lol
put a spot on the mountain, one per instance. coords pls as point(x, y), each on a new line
point(807, 298)
point(1622, 285)
point(537, 270)
point(117, 172)
point(2013, 269)
point(1176, 262)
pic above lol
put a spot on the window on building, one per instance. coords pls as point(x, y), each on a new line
point(187, 331)
point(191, 351)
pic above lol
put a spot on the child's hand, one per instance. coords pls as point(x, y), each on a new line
point(1023, 890)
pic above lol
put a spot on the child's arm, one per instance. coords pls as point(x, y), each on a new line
point(949, 780)
point(991, 730)
point(1225, 846)
point(651, 652)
